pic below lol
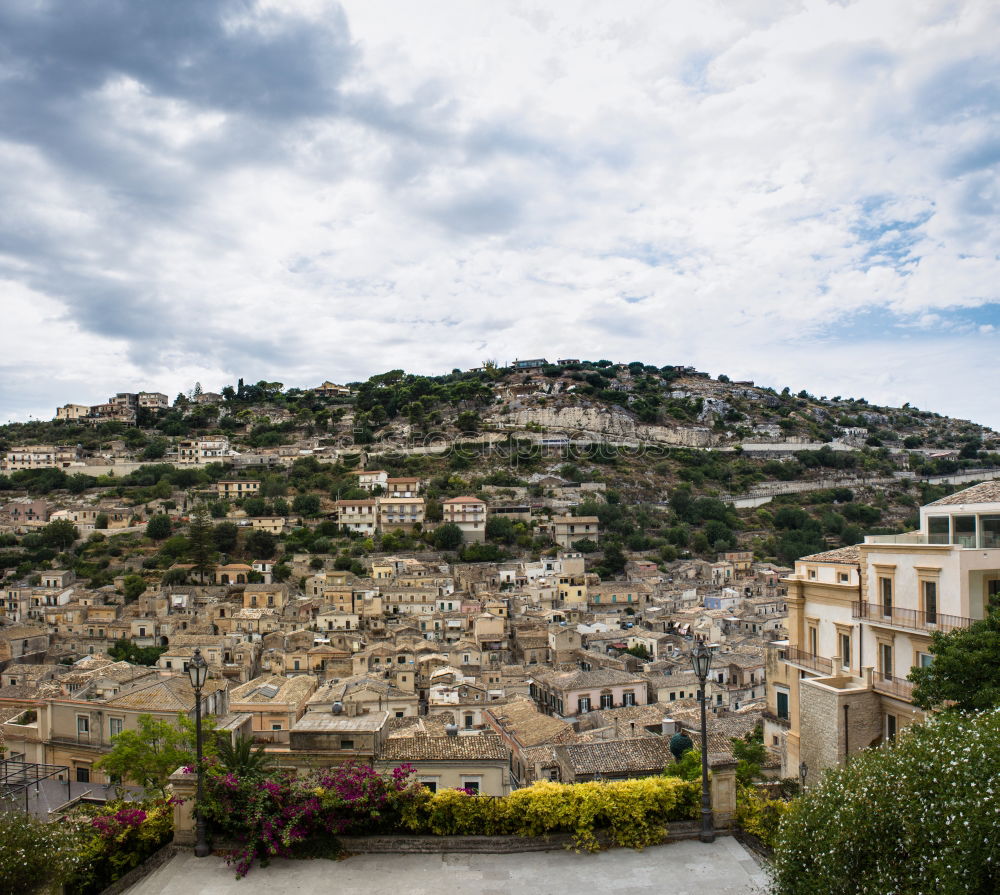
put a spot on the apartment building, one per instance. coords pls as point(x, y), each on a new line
point(469, 514)
point(357, 515)
point(236, 489)
point(400, 513)
point(203, 450)
point(860, 618)
point(71, 412)
point(42, 456)
point(565, 530)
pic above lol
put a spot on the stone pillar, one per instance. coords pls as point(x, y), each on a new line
point(184, 787)
point(723, 787)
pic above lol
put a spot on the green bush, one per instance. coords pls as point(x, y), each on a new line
point(917, 816)
point(34, 855)
point(759, 815)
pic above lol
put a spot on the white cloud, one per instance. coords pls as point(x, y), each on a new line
point(726, 184)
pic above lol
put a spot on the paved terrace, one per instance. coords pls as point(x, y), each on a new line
point(679, 868)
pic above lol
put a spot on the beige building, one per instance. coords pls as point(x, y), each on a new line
point(357, 515)
point(72, 411)
point(400, 513)
point(369, 479)
point(274, 703)
point(42, 456)
point(859, 618)
point(203, 450)
point(236, 489)
point(479, 763)
point(469, 514)
point(566, 530)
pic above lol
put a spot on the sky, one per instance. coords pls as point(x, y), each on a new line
point(801, 193)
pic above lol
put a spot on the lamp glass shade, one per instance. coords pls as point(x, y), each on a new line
point(701, 660)
point(198, 669)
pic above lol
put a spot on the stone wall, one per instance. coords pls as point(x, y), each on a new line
point(824, 740)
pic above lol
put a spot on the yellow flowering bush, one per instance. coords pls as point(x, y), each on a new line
point(759, 815)
point(634, 813)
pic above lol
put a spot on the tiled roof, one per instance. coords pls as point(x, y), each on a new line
point(521, 718)
point(163, 694)
point(616, 757)
point(984, 492)
point(600, 677)
point(479, 747)
point(840, 555)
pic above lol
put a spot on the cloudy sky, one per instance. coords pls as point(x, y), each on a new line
point(802, 193)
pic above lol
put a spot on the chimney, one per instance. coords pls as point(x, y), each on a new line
point(668, 727)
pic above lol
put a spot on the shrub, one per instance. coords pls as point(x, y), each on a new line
point(117, 838)
point(633, 812)
point(917, 816)
point(35, 855)
point(759, 815)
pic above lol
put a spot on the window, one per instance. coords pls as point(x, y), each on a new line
point(890, 727)
point(930, 601)
point(885, 592)
point(782, 703)
point(82, 724)
point(430, 784)
point(471, 784)
point(845, 650)
point(83, 775)
point(989, 527)
point(607, 700)
point(718, 699)
point(843, 577)
point(938, 530)
point(115, 726)
point(275, 727)
point(924, 659)
point(965, 531)
point(813, 644)
point(399, 714)
point(885, 660)
point(628, 698)
point(346, 744)
point(812, 573)
point(584, 704)
point(469, 721)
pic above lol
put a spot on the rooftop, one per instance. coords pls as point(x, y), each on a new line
point(483, 747)
point(984, 492)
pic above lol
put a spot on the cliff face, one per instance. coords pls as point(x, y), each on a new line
point(610, 423)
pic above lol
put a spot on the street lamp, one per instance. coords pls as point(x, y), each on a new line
point(701, 662)
point(198, 672)
point(803, 773)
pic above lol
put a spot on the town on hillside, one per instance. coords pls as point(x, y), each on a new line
point(491, 619)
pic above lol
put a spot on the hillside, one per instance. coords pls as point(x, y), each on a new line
point(666, 452)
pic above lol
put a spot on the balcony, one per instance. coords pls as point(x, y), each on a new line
point(897, 687)
point(911, 619)
point(809, 661)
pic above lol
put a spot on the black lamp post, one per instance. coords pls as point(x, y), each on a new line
point(701, 661)
point(803, 773)
point(198, 672)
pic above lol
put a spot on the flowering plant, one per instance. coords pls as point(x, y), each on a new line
point(280, 815)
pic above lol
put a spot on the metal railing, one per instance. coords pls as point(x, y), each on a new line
point(819, 664)
point(914, 619)
point(897, 687)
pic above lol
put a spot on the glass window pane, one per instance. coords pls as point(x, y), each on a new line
point(937, 530)
point(990, 528)
point(965, 530)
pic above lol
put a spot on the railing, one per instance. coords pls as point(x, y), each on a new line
point(898, 687)
point(809, 660)
point(909, 618)
point(776, 719)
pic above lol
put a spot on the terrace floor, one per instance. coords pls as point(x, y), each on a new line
point(687, 867)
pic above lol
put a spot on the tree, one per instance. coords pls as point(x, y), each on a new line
point(201, 545)
point(447, 536)
point(261, 545)
point(750, 754)
point(158, 527)
point(134, 586)
point(101, 521)
point(680, 743)
point(60, 534)
point(614, 559)
point(149, 755)
point(125, 650)
point(244, 757)
point(226, 536)
point(306, 505)
point(501, 530)
point(965, 671)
